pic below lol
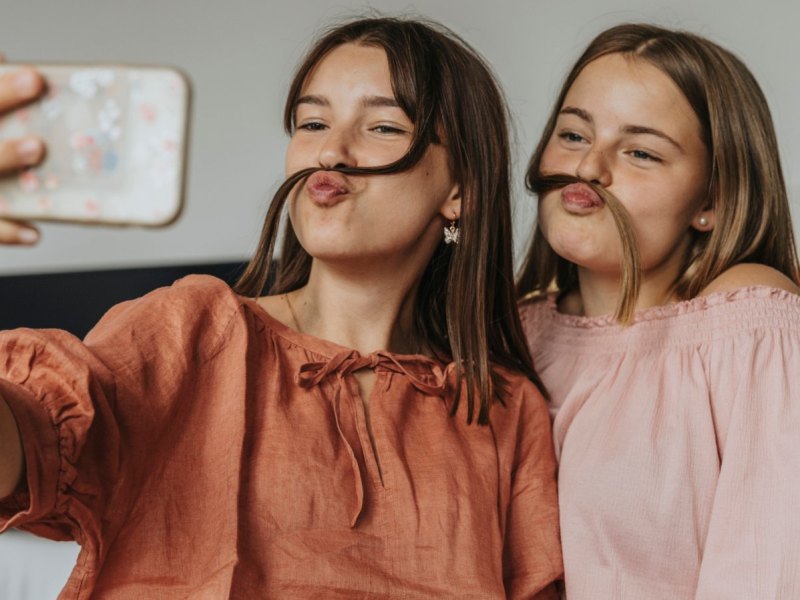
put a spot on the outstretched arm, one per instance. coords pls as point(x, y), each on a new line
point(10, 451)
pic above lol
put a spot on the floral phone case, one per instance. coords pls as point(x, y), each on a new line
point(116, 146)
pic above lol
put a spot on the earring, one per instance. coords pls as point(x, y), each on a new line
point(452, 233)
point(702, 221)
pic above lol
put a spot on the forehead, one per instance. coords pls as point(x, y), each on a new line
point(350, 68)
point(629, 90)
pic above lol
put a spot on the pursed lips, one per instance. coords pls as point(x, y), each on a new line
point(580, 199)
point(326, 189)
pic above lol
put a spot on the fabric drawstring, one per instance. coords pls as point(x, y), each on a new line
point(358, 482)
point(313, 373)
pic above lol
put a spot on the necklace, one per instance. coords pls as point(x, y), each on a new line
point(291, 312)
point(418, 345)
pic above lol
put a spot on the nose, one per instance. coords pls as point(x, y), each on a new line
point(595, 167)
point(337, 150)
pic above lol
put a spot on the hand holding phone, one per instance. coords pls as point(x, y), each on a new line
point(116, 143)
point(17, 88)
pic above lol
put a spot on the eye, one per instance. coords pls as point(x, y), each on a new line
point(388, 130)
point(572, 137)
point(645, 156)
point(312, 126)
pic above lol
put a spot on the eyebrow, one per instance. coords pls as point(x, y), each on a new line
point(578, 112)
point(640, 129)
point(628, 129)
point(311, 99)
point(366, 101)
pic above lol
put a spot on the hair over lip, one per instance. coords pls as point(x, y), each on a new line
point(583, 190)
point(328, 179)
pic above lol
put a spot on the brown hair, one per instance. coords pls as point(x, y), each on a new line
point(745, 187)
point(465, 307)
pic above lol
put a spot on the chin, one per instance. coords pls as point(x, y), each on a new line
point(579, 243)
point(334, 248)
point(330, 252)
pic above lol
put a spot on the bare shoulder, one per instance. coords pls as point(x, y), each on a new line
point(747, 275)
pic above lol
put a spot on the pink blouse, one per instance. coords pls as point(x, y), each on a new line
point(197, 448)
point(679, 446)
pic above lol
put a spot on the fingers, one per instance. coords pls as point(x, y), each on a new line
point(19, 153)
point(16, 88)
point(20, 86)
point(17, 232)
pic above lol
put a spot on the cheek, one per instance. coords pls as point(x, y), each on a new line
point(589, 241)
point(545, 210)
point(290, 159)
point(424, 189)
point(553, 160)
point(554, 226)
point(294, 212)
point(667, 204)
point(299, 155)
point(697, 190)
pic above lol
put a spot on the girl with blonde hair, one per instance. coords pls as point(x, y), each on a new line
point(662, 314)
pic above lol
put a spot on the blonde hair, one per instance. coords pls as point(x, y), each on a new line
point(746, 188)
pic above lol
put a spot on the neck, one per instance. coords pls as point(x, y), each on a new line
point(599, 292)
point(363, 310)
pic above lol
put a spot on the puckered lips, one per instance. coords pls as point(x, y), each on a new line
point(327, 189)
point(580, 199)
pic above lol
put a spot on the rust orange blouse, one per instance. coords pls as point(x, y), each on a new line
point(197, 448)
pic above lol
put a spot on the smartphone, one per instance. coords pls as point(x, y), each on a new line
point(116, 146)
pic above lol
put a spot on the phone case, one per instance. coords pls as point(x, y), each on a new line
point(116, 146)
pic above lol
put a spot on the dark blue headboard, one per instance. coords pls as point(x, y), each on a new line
point(76, 301)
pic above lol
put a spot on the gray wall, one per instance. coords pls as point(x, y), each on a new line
point(240, 56)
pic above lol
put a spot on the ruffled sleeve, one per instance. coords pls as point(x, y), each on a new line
point(752, 549)
point(93, 415)
point(57, 391)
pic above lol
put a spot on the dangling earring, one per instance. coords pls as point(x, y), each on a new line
point(452, 233)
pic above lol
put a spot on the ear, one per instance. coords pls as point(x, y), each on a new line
point(705, 220)
point(451, 208)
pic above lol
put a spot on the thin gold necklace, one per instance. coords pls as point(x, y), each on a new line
point(291, 312)
point(296, 323)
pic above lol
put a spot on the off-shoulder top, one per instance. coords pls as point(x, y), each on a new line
point(679, 446)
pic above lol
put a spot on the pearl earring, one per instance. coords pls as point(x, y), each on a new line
point(702, 221)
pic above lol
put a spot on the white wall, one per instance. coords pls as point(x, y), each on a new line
point(240, 56)
point(31, 568)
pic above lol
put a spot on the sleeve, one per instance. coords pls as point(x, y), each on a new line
point(752, 548)
point(57, 391)
point(91, 415)
point(532, 562)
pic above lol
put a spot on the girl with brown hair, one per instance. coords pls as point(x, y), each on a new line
point(663, 317)
point(371, 428)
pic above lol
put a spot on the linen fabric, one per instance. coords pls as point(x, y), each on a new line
point(679, 446)
point(197, 448)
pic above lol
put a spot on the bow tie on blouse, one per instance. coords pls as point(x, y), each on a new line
point(348, 361)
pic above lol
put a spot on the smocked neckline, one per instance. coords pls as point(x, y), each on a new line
point(668, 311)
point(326, 348)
